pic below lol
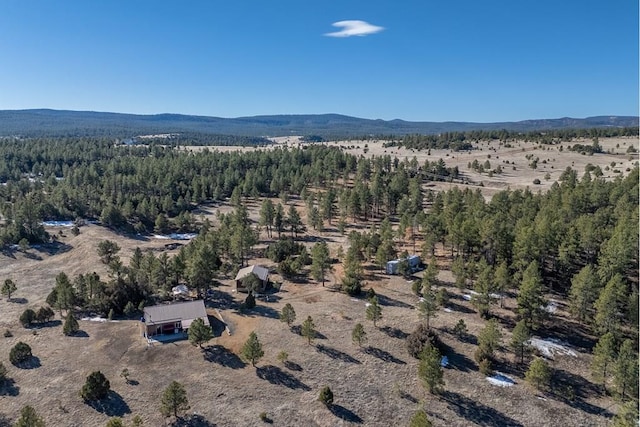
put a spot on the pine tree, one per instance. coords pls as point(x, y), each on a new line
point(430, 370)
point(539, 374)
point(267, 214)
point(199, 333)
point(604, 355)
point(520, 340)
point(308, 329)
point(115, 422)
point(584, 292)
point(420, 419)
point(484, 287)
point(320, 261)
point(252, 349)
point(428, 307)
point(502, 281)
point(326, 396)
point(70, 326)
point(608, 305)
point(627, 416)
point(96, 387)
point(174, 400)
point(489, 340)
point(374, 311)
point(531, 300)
point(288, 314)
point(625, 370)
point(8, 287)
point(358, 335)
point(29, 418)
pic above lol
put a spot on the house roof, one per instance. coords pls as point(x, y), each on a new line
point(259, 271)
point(186, 312)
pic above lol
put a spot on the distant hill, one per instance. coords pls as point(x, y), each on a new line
point(43, 122)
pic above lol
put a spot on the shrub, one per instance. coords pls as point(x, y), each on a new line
point(70, 326)
point(28, 317)
point(45, 314)
point(422, 337)
point(460, 330)
point(8, 334)
point(326, 396)
point(20, 353)
point(96, 387)
point(536, 181)
point(250, 301)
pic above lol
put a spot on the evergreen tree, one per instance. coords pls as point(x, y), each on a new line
point(70, 326)
point(174, 400)
point(625, 370)
point(609, 304)
point(115, 422)
point(320, 261)
point(502, 279)
point(29, 418)
point(374, 311)
point(489, 340)
point(584, 292)
point(627, 416)
point(531, 300)
point(326, 396)
point(252, 349)
point(20, 353)
point(484, 287)
point(420, 419)
point(8, 287)
point(288, 314)
point(267, 215)
point(539, 374)
point(294, 220)
point(358, 335)
point(520, 340)
point(308, 329)
point(108, 251)
point(604, 355)
point(199, 333)
point(96, 387)
point(460, 330)
point(28, 317)
point(430, 370)
point(428, 307)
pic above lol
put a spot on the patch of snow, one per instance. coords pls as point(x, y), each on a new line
point(421, 299)
point(176, 236)
point(160, 236)
point(472, 292)
point(467, 297)
point(355, 300)
point(551, 347)
point(57, 223)
point(97, 319)
point(495, 296)
point(501, 380)
point(447, 310)
point(552, 307)
point(367, 304)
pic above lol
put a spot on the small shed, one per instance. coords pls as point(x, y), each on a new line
point(392, 266)
point(261, 273)
point(166, 319)
point(414, 262)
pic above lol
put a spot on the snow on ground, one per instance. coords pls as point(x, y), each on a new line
point(447, 310)
point(175, 236)
point(57, 223)
point(501, 380)
point(97, 319)
point(551, 347)
point(552, 307)
point(467, 297)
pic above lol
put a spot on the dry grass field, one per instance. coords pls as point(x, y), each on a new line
point(376, 385)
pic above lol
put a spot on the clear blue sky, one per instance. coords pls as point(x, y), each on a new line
point(464, 60)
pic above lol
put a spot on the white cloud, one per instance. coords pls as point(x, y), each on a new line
point(354, 28)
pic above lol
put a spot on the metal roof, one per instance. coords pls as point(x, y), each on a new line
point(180, 311)
point(261, 272)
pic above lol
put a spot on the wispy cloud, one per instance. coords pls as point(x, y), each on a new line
point(354, 28)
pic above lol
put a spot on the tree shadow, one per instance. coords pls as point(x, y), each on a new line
point(264, 311)
point(32, 363)
point(459, 308)
point(31, 255)
point(49, 324)
point(407, 396)
point(79, 334)
point(394, 332)
point(54, 248)
point(222, 356)
point(292, 366)
point(113, 405)
point(18, 300)
point(277, 376)
point(221, 300)
point(5, 421)
point(336, 354)
point(476, 412)
point(574, 389)
point(387, 301)
point(217, 326)
point(9, 388)
point(383, 355)
point(194, 420)
point(297, 329)
point(345, 414)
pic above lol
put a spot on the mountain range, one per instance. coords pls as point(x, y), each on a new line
point(45, 122)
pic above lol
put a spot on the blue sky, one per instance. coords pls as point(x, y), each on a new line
point(431, 60)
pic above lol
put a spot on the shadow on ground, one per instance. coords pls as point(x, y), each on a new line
point(9, 388)
point(113, 405)
point(337, 354)
point(345, 414)
point(32, 363)
point(476, 412)
point(297, 329)
point(223, 357)
point(194, 420)
point(277, 376)
point(574, 389)
point(394, 332)
point(385, 356)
